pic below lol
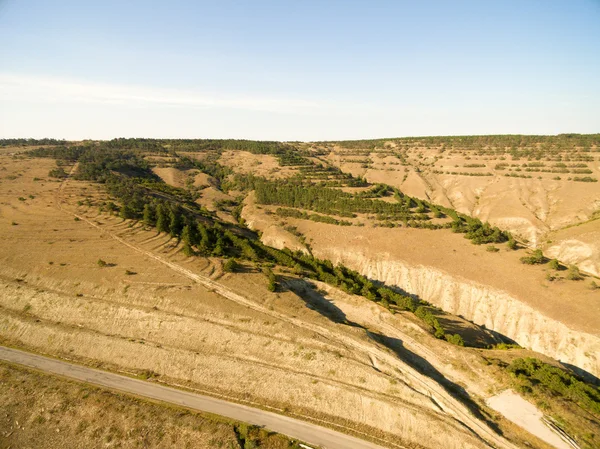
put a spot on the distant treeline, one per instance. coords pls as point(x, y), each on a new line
point(30, 142)
point(477, 142)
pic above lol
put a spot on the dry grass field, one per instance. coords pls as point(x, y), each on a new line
point(44, 411)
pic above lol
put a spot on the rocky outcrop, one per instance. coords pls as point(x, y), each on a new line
point(586, 255)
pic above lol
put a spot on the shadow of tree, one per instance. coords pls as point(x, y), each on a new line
point(316, 300)
point(427, 369)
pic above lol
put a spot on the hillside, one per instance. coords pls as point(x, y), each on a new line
point(277, 275)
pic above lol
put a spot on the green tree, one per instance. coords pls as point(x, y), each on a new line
point(162, 223)
point(219, 248)
point(187, 249)
point(127, 212)
point(149, 215)
point(272, 286)
point(175, 222)
point(205, 241)
point(186, 235)
point(230, 266)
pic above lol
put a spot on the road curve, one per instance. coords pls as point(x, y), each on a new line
point(301, 430)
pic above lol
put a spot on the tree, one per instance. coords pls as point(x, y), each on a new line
point(187, 249)
point(272, 286)
point(149, 216)
point(205, 243)
point(230, 266)
point(127, 212)
point(186, 235)
point(162, 225)
point(219, 248)
point(175, 222)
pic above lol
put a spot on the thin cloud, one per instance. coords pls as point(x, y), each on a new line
point(48, 89)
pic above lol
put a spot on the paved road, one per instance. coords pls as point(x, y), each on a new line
point(294, 428)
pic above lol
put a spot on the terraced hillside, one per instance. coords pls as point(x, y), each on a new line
point(534, 186)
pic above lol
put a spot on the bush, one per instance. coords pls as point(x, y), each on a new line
point(492, 249)
point(574, 273)
point(101, 263)
point(455, 339)
point(512, 244)
point(537, 257)
point(58, 172)
point(554, 264)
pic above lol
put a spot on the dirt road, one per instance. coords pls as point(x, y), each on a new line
point(301, 430)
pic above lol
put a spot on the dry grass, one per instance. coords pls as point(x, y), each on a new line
point(45, 411)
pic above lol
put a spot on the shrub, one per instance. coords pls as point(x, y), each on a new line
point(101, 263)
point(574, 273)
point(554, 264)
point(455, 339)
point(58, 172)
point(537, 257)
point(492, 249)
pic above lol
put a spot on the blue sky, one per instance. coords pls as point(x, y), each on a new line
point(298, 70)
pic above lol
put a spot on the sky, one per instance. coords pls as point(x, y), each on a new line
point(298, 70)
